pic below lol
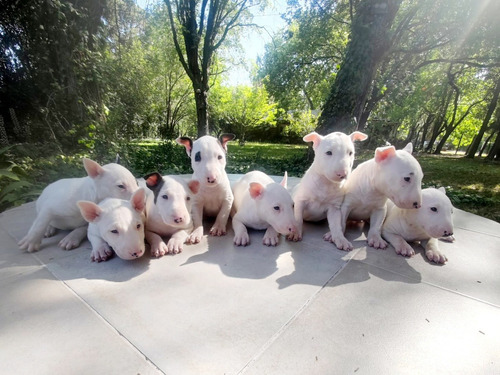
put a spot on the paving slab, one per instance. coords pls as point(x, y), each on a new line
point(216, 308)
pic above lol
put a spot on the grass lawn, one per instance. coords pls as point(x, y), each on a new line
point(472, 185)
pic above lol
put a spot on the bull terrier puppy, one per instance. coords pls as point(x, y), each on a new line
point(260, 203)
point(393, 174)
point(320, 193)
point(116, 225)
point(56, 207)
point(168, 212)
point(430, 222)
point(214, 198)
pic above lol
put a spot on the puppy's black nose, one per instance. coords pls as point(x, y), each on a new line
point(416, 205)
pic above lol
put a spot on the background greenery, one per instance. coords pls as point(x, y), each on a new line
point(472, 185)
point(97, 78)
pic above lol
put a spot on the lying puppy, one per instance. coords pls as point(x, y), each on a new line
point(320, 193)
point(260, 203)
point(168, 211)
point(430, 222)
point(215, 198)
point(116, 225)
point(56, 207)
point(393, 174)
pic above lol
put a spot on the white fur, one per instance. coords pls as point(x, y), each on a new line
point(116, 225)
point(215, 198)
point(393, 174)
point(430, 222)
point(170, 215)
point(260, 203)
point(320, 193)
point(56, 206)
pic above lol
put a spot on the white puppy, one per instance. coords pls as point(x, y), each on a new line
point(260, 203)
point(393, 174)
point(430, 222)
point(320, 193)
point(116, 225)
point(56, 206)
point(215, 198)
point(168, 211)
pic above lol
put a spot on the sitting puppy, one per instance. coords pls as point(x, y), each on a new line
point(261, 203)
point(393, 174)
point(430, 222)
point(320, 193)
point(208, 160)
point(116, 225)
point(56, 207)
point(168, 211)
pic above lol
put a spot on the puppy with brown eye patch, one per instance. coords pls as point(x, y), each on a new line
point(214, 199)
point(431, 221)
point(168, 211)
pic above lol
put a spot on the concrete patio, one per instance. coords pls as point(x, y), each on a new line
point(298, 308)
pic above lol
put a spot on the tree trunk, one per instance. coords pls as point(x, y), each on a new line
point(201, 112)
point(491, 108)
point(369, 42)
point(494, 153)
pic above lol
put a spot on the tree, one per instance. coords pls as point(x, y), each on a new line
point(369, 43)
point(491, 108)
point(204, 26)
point(242, 109)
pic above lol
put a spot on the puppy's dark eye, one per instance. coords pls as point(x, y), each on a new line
point(329, 153)
point(350, 153)
point(121, 186)
point(138, 226)
point(165, 196)
point(188, 198)
point(434, 209)
point(407, 179)
point(197, 156)
point(114, 231)
point(219, 157)
point(276, 208)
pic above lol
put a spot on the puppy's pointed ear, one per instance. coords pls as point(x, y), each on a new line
point(285, 180)
point(93, 169)
point(153, 179)
point(224, 138)
point(442, 190)
point(408, 148)
point(138, 200)
point(384, 153)
point(313, 137)
point(358, 136)
point(187, 143)
point(256, 190)
point(194, 186)
point(90, 211)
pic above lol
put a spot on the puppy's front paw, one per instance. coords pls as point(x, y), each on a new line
point(436, 256)
point(340, 242)
point(159, 249)
point(101, 253)
point(195, 236)
point(50, 231)
point(29, 244)
point(241, 239)
point(404, 249)
point(376, 241)
point(270, 239)
point(218, 230)
point(174, 246)
point(295, 237)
